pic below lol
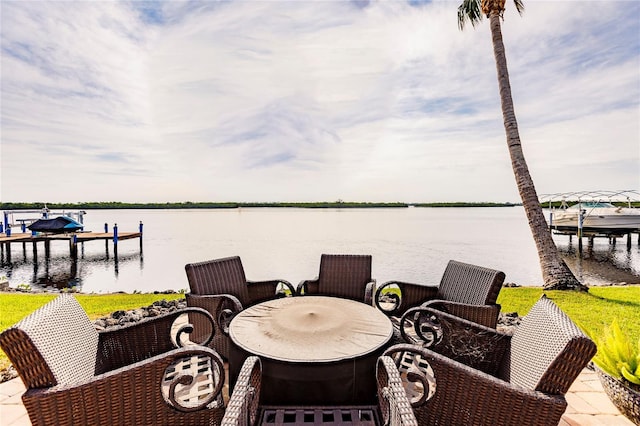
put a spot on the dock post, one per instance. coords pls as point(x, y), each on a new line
point(73, 246)
point(140, 229)
point(47, 248)
point(115, 241)
point(580, 219)
point(35, 251)
point(629, 241)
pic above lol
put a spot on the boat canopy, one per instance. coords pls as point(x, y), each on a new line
point(591, 198)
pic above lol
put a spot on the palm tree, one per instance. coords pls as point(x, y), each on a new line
point(555, 272)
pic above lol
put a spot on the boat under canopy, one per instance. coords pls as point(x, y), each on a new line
point(56, 225)
point(595, 212)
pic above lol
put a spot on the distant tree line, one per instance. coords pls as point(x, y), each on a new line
point(463, 204)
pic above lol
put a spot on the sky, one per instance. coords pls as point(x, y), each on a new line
point(295, 101)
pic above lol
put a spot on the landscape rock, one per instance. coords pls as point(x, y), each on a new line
point(508, 322)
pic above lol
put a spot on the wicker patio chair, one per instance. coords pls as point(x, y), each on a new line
point(221, 287)
point(132, 375)
point(475, 375)
point(393, 406)
point(342, 275)
point(465, 290)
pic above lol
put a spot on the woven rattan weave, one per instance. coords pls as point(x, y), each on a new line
point(132, 375)
point(221, 287)
point(475, 375)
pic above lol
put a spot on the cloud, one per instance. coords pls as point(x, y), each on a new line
point(297, 101)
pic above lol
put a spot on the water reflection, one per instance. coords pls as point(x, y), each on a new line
point(412, 245)
point(601, 261)
point(62, 271)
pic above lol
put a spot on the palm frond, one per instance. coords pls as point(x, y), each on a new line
point(470, 10)
point(519, 6)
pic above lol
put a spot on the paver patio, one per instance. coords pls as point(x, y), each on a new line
point(588, 404)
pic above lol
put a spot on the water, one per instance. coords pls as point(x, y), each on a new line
point(408, 244)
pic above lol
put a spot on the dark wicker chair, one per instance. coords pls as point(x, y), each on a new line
point(221, 287)
point(342, 275)
point(465, 290)
point(475, 375)
point(393, 406)
point(132, 375)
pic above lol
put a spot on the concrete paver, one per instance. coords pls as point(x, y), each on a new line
point(588, 405)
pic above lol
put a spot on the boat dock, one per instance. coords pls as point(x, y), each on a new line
point(590, 236)
point(73, 238)
point(593, 214)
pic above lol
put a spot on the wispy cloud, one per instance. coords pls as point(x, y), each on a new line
point(278, 100)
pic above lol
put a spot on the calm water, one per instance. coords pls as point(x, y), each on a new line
point(410, 244)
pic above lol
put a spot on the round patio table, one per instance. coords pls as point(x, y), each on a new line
point(315, 350)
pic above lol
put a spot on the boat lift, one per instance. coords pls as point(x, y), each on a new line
point(564, 198)
point(23, 218)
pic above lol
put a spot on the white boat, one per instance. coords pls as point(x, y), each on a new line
point(596, 216)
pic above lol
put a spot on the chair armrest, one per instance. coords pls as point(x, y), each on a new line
point(449, 383)
point(260, 291)
point(391, 303)
point(392, 398)
point(243, 404)
point(308, 287)
point(368, 292)
point(472, 344)
point(149, 389)
point(486, 315)
point(149, 337)
point(223, 307)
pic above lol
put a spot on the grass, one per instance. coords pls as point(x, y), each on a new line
point(15, 306)
point(591, 311)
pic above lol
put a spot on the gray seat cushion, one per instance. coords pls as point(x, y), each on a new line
point(66, 339)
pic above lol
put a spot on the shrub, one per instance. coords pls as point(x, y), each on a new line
point(617, 355)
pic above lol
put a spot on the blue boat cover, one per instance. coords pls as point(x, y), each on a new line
point(56, 225)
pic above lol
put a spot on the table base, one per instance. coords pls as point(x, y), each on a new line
point(348, 382)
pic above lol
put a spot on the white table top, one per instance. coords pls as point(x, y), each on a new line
point(310, 329)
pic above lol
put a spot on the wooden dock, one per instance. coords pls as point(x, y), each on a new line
point(72, 237)
point(79, 236)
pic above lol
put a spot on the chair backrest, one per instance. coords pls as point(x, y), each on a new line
point(56, 344)
point(218, 276)
point(548, 351)
point(344, 275)
point(472, 284)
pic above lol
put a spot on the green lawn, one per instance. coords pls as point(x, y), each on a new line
point(591, 311)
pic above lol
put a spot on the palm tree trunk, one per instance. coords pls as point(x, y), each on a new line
point(555, 273)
